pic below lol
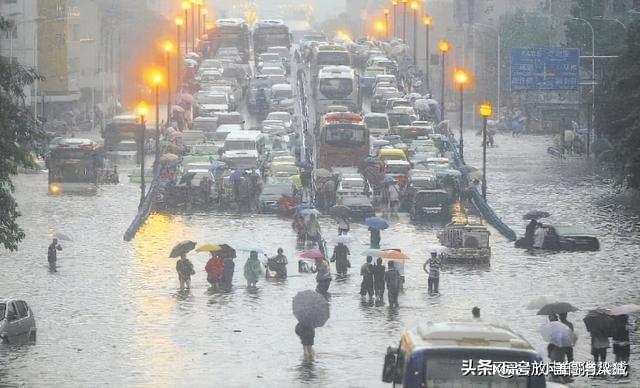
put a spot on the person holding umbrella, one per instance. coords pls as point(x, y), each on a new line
point(375, 224)
point(52, 254)
point(226, 280)
point(252, 269)
point(311, 310)
point(340, 257)
point(366, 271)
point(374, 241)
point(323, 276)
point(184, 268)
point(214, 269)
point(378, 280)
point(621, 345)
point(307, 335)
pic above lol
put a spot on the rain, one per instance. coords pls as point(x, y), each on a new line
point(328, 193)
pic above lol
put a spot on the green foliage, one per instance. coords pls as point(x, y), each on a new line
point(618, 113)
point(18, 140)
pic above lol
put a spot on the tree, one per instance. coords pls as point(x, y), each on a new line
point(618, 114)
point(19, 139)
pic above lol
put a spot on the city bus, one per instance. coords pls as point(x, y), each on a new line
point(343, 140)
point(231, 32)
point(328, 55)
point(337, 85)
point(74, 165)
point(270, 33)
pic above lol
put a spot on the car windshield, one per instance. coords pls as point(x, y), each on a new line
point(282, 94)
point(371, 72)
point(345, 135)
point(212, 99)
point(399, 119)
point(352, 184)
point(3, 308)
point(285, 117)
point(328, 58)
point(336, 88)
point(376, 122)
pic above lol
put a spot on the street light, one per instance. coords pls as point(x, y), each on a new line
point(593, 80)
point(179, 23)
point(168, 49)
point(155, 77)
point(404, 20)
point(485, 111)
point(414, 8)
point(427, 21)
point(205, 12)
point(141, 111)
point(386, 22)
point(380, 28)
point(394, 3)
point(186, 6)
point(461, 78)
point(443, 45)
point(193, 25)
point(198, 24)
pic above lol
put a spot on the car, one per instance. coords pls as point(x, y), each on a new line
point(282, 98)
point(565, 238)
point(359, 205)
point(274, 127)
point(17, 322)
point(211, 103)
point(377, 123)
point(271, 194)
point(351, 185)
point(276, 74)
point(285, 117)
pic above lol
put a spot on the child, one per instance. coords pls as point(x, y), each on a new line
point(306, 335)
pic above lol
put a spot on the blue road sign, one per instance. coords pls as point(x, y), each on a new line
point(545, 69)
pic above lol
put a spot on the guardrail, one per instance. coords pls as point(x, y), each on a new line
point(144, 210)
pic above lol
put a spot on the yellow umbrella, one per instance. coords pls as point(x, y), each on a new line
point(394, 255)
point(208, 248)
point(297, 182)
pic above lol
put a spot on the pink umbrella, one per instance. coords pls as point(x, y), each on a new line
point(177, 108)
point(312, 254)
point(186, 97)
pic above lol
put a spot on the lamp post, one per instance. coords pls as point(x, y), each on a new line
point(204, 20)
point(386, 23)
point(193, 25)
point(156, 80)
point(414, 9)
point(198, 26)
point(461, 78)
point(186, 5)
point(593, 80)
point(404, 20)
point(394, 3)
point(443, 45)
point(168, 49)
point(142, 110)
point(426, 20)
point(179, 23)
point(485, 111)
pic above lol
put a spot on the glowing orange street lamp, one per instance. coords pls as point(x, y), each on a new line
point(141, 110)
point(186, 6)
point(179, 23)
point(379, 27)
point(443, 46)
point(414, 8)
point(156, 79)
point(427, 21)
point(386, 22)
point(394, 3)
point(485, 111)
point(205, 12)
point(461, 78)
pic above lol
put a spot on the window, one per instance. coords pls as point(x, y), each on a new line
point(345, 136)
point(12, 313)
point(336, 88)
point(23, 311)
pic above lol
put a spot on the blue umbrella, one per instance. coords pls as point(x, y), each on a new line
point(308, 212)
point(376, 223)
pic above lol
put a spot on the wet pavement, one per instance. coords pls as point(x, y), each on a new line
point(112, 315)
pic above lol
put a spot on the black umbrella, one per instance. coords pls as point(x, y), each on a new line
point(182, 248)
point(340, 211)
point(599, 321)
point(557, 308)
point(310, 308)
point(226, 252)
point(535, 215)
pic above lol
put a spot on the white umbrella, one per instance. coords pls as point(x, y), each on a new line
point(437, 248)
point(625, 309)
point(559, 334)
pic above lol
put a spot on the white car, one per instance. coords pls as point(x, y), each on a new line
point(274, 127)
point(17, 323)
point(282, 98)
point(377, 124)
point(285, 117)
point(351, 185)
point(275, 74)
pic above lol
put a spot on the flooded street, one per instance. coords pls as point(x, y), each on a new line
point(112, 314)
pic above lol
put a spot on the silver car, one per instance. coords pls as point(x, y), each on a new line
point(17, 324)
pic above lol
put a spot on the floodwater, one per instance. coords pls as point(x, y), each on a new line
point(112, 315)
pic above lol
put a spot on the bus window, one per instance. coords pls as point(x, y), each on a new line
point(336, 88)
point(345, 136)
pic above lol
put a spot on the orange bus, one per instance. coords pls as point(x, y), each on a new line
point(344, 140)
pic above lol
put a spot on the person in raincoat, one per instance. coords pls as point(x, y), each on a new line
point(184, 268)
point(312, 228)
point(252, 269)
point(375, 238)
point(227, 274)
point(378, 280)
point(340, 253)
point(366, 271)
point(392, 278)
point(214, 268)
point(323, 276)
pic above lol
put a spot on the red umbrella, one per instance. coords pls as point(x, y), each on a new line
point(312, 254)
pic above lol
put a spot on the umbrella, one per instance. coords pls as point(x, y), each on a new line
point(192, 55)
point(312, 254)
point(250, 248)
point(343, 239)
point(182, 248)
point(598, 321)
point(186, 97)
point(177, 109)
point(208, 248)
point(541, 301)
point(190, 63)
point(59, 235)
point(535, 214)
point(625, 309)
point(373, 252)
point(308, 212)
point(168, 157)
point(340, 211)
point(393, 254)
point(322, 173)
point(558, 333)
point(437, 248)
point(376, 223)
point(310, 308)
point(226, 251)
point(556, 308)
